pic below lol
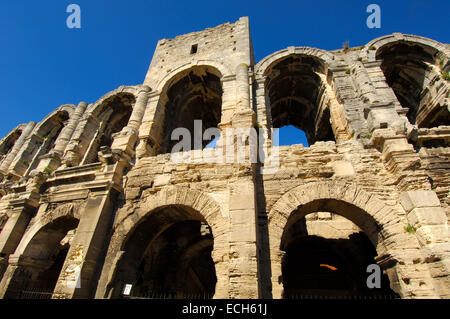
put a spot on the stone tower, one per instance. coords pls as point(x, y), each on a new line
point(93, 204)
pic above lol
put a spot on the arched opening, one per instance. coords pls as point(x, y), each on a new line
point(44, 138)
point(51, 130)
point(8, 142)
point(6, 145)
point(48, 133)
point(43, 260)
point(412, 71)
point(195, 95)
point(112, 116)
point(167, 255)
point(327, 255)
point(297, 97)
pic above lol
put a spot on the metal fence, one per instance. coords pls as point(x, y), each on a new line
point(169, 295)
point(340, 296)
point(36, 293)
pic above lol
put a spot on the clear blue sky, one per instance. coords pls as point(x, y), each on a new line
point(44, 64)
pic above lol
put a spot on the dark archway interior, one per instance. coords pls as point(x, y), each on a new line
point(168, 256)
point(114, 116)
point(47, 252)
point(295, 92)
point(49, 133)
point(48, 278)
point(318, 267)
point(407, 72)
point(8, 143)
point(51, 129)
point(196, 96)
point(117, 121)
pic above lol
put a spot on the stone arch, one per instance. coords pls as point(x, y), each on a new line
point(8, 141)
point(193, 200)
point(68, 210)
point(97, 107)
point(378, 221)
point(191, 92)
point(293, 88)
point(412, 66)
point(39, 258)
point(59, 115)
point(222, 70)
point(6, 147)
point(104, 119)
point(262, 67)
point(42, 139)
point(99, 122)
point(370, 50)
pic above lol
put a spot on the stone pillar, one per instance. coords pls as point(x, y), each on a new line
point(382, 106)
point(80, 140)
point(43, 161)
point(16, 148)
point(7, 287)
point(244, 116)
point(242, 87)
point(263, 111)
point(363, 81)
point(125, 140)
point(81, 270)
point(243, 267)
point(428, 220)
point(343, 86)
point(24, 158)
point(276, 257)
point(139, 108)
point(19, 217)
point(66, 133)
point(151, 128)
point(79, 273)
point(401, 159)
point(20, 214)
point(262, 104)
point(228, 84)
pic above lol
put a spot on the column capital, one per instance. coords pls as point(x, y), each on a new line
point(144, 89)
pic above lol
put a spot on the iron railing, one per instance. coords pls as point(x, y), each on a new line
point(170, 295)
point(36, 293)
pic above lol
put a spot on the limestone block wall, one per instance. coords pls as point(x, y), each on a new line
point(227, 44)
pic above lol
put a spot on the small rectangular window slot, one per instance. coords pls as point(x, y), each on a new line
point(194, 48)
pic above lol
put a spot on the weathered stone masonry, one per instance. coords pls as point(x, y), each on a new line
point(91, 201)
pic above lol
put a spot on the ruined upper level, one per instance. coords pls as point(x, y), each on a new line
point(398, 83)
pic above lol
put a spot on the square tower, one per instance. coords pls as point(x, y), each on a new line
point(228, 44)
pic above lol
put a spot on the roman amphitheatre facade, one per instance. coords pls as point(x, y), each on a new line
point(92, 203)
